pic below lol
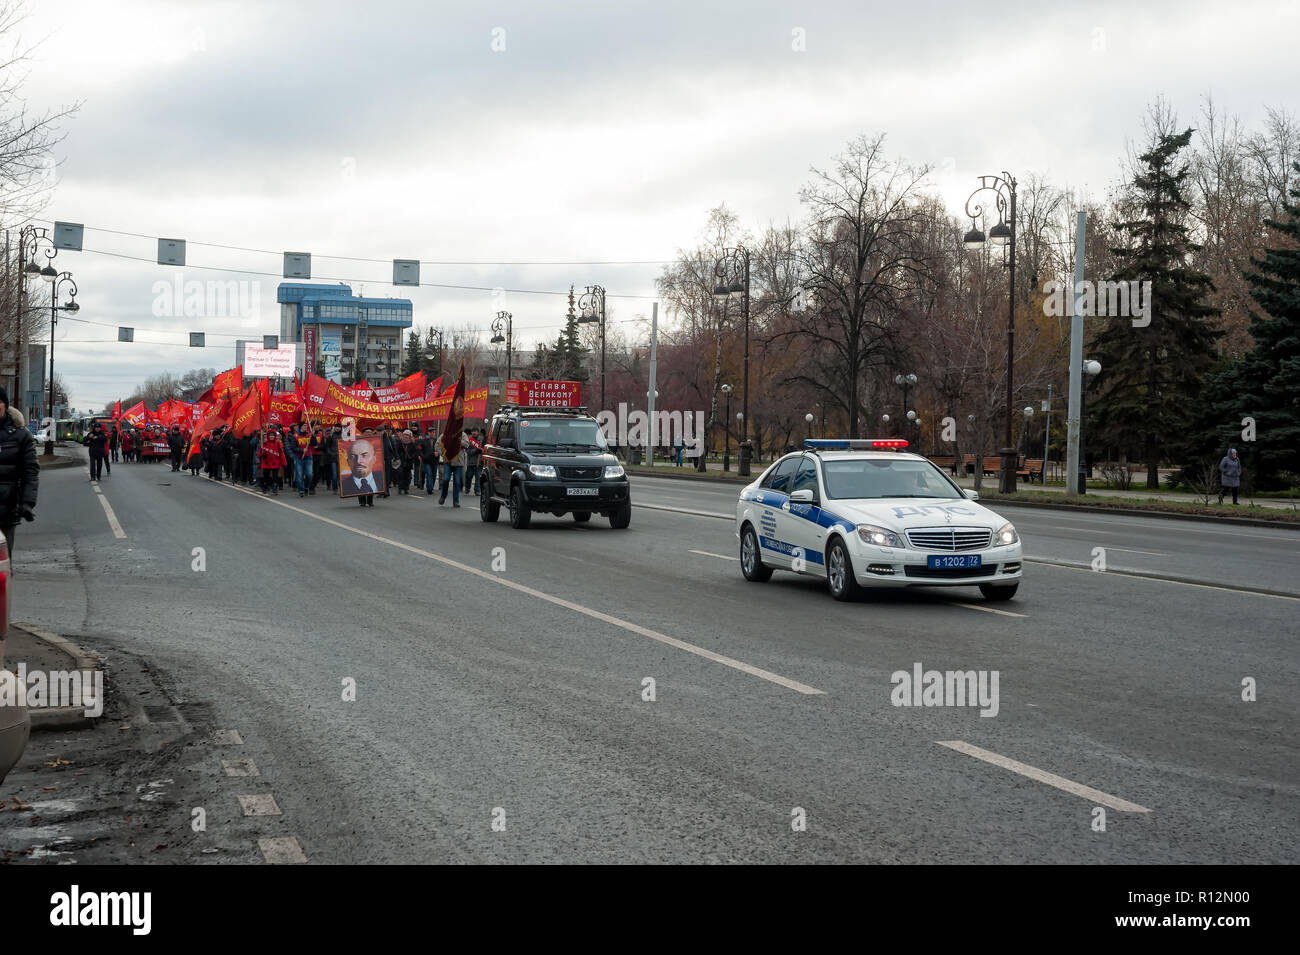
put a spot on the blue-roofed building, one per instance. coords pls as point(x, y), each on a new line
point(348, 337)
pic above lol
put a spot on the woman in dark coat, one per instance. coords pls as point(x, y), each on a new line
point(19, 472)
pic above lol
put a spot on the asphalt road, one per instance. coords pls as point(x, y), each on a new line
point(515, 694)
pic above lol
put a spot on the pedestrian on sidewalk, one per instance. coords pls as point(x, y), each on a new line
point(97, 444)
point(1229, 475)
point(19, 470)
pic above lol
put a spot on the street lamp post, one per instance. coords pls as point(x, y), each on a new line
point(734, 264)
point(591, 307)
point(1047, 431)
point(809, 419)
point(1003, 234)
point(726, 431)
point(57, 279)
point(1091, 369)
point(32, 241)
point(504, 320)
point(906, 381)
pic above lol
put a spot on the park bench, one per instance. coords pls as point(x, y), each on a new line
point(1030, 469)
point(946, 461)
point(992, 463)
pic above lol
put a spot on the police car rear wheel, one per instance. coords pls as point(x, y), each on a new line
point(751, 562)
point(996, 592)
point(839, 574)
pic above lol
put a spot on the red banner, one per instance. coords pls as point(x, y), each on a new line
point(408, 389)
point(309, 348)
point(136, 415)
point(544, 394)
point(228, 384)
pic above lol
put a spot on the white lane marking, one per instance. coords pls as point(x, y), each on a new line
point(282, 850)
point(627, 625)
point(1005, 613)
point(227, 738)
point(262, 804)
point(1130, 550)
point(239, 767)
point(1042, 776)
point(1137, 575)
point(108, 511)
point(1084, 525)
point(683, 510)
point(706, 553)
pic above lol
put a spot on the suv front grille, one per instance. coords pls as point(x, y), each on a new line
point(585, 474)
point(950, 538)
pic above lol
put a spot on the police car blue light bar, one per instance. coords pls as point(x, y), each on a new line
point(853, 444)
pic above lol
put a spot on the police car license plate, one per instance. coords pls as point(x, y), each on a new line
point(942, 561)
point(582, 491)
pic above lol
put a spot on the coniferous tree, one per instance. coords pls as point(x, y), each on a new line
point(1152, 375)
point(414, 359)
point(1264, 384)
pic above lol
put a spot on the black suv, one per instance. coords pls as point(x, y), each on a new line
point(551, 461)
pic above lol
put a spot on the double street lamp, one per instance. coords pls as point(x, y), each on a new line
point(732, 274)
point(1003, 235)
point(57, 280)
point(906, 381)
point(1091, 369)
point(591, 308)
point(504, 320)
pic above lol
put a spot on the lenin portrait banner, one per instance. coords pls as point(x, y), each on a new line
point(361, 467)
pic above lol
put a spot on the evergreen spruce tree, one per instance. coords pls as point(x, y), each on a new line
point(1264, 384)
point(414, 359)
point(1152, 376)
point(567, 358)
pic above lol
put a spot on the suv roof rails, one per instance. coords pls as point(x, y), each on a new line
point(541, 409)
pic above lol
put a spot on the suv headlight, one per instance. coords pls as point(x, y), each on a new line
point(541, 470)
point(1007, 534)
point(879, 536)
point(614, 471)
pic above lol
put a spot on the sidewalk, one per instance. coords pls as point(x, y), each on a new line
point(990, 485)
point(66, 455)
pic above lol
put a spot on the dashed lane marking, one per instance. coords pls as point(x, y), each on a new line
point(594, 614)
point(1042, 776)
point(982, 608)
point(282, 850)
point(705, 553)
point(259, 805)
point(108, 511)
point(227, 738)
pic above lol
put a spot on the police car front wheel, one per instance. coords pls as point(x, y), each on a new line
point(751, 561)
point(839, 573)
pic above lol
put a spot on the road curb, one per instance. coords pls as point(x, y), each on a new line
point(1052, 506)
point(1139, 512)
point(60, 717)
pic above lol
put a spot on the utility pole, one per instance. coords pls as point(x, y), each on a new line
point(1075, 405)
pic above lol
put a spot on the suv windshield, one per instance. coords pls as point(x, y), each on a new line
point(885, 477)
point(562, 434)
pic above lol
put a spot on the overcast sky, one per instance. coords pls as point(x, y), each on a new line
point(602, 131)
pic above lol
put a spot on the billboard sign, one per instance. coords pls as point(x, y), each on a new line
point(544, 394)
point(268, 362)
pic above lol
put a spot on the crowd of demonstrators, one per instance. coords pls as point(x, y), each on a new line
point(19, 470)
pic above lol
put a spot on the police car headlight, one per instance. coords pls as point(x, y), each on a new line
point(880, 536)
point(541, 470)
point(1007, 534)
point(614, 471)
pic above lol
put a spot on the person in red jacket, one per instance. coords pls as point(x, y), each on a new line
point(270, 458)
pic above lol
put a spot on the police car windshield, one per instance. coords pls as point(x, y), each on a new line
point(886, 477)
point(559, 434)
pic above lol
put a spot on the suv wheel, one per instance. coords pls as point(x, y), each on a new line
point(581, 517)
point(622, 517)
point(488, 509)
point(751, 559)
point(839, 573)
point(520, 513)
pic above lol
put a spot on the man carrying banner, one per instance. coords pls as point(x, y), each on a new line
point(451, 446)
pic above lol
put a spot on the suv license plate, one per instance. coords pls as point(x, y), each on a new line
point(962, 560)
point(582, 491)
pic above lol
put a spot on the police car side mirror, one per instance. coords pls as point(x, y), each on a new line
point(803, 496)
point(973, 495)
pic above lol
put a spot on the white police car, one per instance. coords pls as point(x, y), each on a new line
point(866, 514)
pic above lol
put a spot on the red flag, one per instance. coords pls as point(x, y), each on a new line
point(117, 409)
point(302, 399)
point(216, 415)
point(246, 415)
point(453, 430)
point(431, 389)
point(263, 387)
